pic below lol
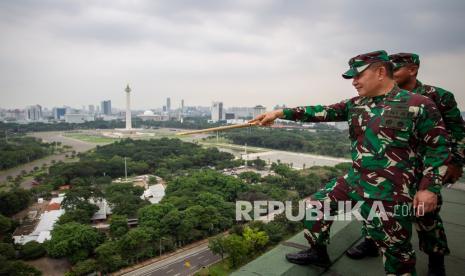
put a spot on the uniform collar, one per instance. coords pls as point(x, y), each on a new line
point(418, 88)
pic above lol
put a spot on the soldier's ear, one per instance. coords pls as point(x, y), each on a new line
point(413, 70)
point(381, 72)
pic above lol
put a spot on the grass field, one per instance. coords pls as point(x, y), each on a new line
point(91, 138)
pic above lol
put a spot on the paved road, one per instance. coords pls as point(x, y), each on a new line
point(48, 137)
point(182, 264)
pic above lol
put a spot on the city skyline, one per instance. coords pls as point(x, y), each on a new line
point(240, 52)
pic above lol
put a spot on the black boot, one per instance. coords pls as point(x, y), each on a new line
point(317, 255)
point(436, 265)
point(367, 248)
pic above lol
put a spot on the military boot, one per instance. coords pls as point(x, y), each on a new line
point(367, 248)
point(436, 265)
point(317, 255)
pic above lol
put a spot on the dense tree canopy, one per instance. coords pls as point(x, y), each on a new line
point(324, 142)
point(20, 150)
point(142, 156)
point(74, 241)
point(13, 201)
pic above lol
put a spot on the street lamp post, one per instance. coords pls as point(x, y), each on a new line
point(162, 238)
point(125, 169)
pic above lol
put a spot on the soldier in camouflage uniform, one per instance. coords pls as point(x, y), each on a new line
point(430, 228)
point(386, 126)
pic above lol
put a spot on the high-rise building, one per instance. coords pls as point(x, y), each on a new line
point(59, 113)
point(168, 104)
point(91, 109)
point(217, 111)
point(257, 110)
point(241, 112)
point(34, 113)
point(182, 105)
point(229, 116)
point(105, 107)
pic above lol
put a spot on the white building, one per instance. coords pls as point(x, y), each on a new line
point(154, 193)
point(241, 112)
point(34, 113)
point(46, 223)
point(217, 111)
point(79, 118)
point(150, 116)
point(257, 110)
point(104, 210)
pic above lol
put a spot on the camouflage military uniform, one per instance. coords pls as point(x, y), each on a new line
point(430, 227)
point(384, 133)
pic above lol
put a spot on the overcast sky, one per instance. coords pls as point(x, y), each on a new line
point(242, 52)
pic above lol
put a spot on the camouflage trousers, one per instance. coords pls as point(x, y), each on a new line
point(391, 233)
point(431, 235)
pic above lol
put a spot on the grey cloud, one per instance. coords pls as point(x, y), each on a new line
point(271, 39)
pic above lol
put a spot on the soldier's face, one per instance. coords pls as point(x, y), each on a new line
point(404, 74)
point(366, 83)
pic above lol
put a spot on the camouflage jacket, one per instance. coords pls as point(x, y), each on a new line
point(453, 120)
point(385, 132)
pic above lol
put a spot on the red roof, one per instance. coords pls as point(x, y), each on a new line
point(53, 206)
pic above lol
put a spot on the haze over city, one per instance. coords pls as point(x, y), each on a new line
point(242, 53)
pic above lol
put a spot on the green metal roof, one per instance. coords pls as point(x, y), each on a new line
point(345, 234)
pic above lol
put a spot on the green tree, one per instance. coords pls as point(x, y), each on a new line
point(275, 231)
point(135, 245)
point(118, 225)
point(109, 257)
point(82, 268)
point(82, 216)
point(256, 239)
point(74, 241)
point(5, 225)
point(217, 245)
point(14, 201)
point(7, 250)
point(32, 250)
point(250, 177)
point(18, 268)
point(124, 198)
point(237, 249)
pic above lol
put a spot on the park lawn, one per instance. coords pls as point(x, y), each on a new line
point(91, 138)
point(213, 140)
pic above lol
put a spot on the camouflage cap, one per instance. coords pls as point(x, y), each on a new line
point(401, 59)
point(361, 62)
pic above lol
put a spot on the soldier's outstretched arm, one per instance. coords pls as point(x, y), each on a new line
point(318, 113)
point(267, 118)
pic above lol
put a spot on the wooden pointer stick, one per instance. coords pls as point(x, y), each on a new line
point(216, 129)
